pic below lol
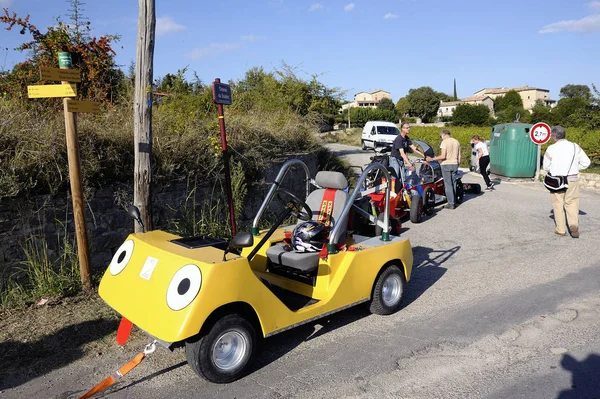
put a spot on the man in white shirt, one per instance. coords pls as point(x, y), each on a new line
point(565, 158)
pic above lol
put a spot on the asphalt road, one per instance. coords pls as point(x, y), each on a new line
point(498, 307)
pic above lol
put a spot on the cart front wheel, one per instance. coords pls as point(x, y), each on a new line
point(223, 354)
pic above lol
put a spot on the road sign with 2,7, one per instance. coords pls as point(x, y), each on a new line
point(83, 106)
point(540, 133)
point(69, 75)
point(45, 91)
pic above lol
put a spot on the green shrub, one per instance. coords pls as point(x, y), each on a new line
point(471, 115)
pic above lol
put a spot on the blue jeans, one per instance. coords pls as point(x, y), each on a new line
point(449, 175)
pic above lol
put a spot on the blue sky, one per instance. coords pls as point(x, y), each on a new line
point(356, 45)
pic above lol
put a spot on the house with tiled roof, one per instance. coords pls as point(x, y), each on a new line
point(529, 95)
point(447, 107)
point(367, 99)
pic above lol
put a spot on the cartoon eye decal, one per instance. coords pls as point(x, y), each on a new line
point(121, 257)
point(184, 287)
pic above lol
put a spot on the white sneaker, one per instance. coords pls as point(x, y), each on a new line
point(490, 187)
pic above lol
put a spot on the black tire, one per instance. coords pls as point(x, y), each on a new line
point(472, 168)
point(203, 358)
point(474, 188)
point(364, 147)
point(393, 226)
point(416, 208)
point(459, 192)
point(428, 201)
point(388, 291)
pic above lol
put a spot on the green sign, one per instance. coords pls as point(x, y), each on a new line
point(64, 60)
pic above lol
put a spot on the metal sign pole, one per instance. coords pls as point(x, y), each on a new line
point(537, 162)
point(221, 89)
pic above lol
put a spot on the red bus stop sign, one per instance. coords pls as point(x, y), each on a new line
point(540, 133)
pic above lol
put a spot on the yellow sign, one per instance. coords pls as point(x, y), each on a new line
point(83, 106)
point(69, 75)
point(44, 91)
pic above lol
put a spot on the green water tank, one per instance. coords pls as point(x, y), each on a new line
point(512, 153)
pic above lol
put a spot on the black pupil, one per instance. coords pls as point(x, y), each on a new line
point(183, 286)
point(121, 256)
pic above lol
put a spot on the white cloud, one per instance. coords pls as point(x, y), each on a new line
point(252, 38)
point(213, 49)
point(594, 5)
point(315, 7)
point(588, 24)
point(389, 15)
point(349, 7)
point(5, 3)
point(166, 25)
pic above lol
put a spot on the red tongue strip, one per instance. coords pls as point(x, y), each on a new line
point(124, 331)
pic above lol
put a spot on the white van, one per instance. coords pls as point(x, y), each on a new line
point(379, 135)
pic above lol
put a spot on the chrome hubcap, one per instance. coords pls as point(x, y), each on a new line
point(392, 290)
point(229, 350)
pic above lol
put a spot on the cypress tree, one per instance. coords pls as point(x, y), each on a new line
point(455, 97)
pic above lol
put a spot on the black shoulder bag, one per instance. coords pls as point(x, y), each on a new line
point(557, 184)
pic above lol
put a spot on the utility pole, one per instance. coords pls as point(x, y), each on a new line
point(142, 112)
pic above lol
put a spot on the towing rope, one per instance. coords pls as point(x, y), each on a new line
point(116, 376)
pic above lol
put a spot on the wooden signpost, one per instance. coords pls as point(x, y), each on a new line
point(67, 75)
point(71, 75)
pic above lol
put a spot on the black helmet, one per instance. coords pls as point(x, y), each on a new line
point(309, 236)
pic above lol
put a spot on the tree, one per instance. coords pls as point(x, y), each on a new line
point(93, 57)
point(510, 100)
point(470, 114)
point(455, 98)
point(386, 103)
point(513, 113)
point(572, 91)
point(542, 113)
point(423, 102)
point(402, 108)
point(443, 96)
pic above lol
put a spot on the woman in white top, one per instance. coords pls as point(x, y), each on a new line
point(483, 157)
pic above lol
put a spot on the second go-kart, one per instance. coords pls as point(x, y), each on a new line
point(415, 193)
point(219, 299)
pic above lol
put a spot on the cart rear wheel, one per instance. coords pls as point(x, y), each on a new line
point(416, 208)
point(388, 291)
point(223, 354)
point(460, 191)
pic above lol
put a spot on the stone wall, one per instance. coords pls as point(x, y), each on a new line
point(49, 218)
point(589, 181)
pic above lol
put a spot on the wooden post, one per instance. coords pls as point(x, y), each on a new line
point(75, 179)
point(142, 112)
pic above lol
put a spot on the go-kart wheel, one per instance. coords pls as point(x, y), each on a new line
point(223, 354)
point(363, 145)
point(298, 207)
point(472, 168)
point(387, 291)
point(428, 201)
point(416, 208)
point(459, 193)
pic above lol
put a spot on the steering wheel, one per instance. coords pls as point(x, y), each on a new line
point(298, 207)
